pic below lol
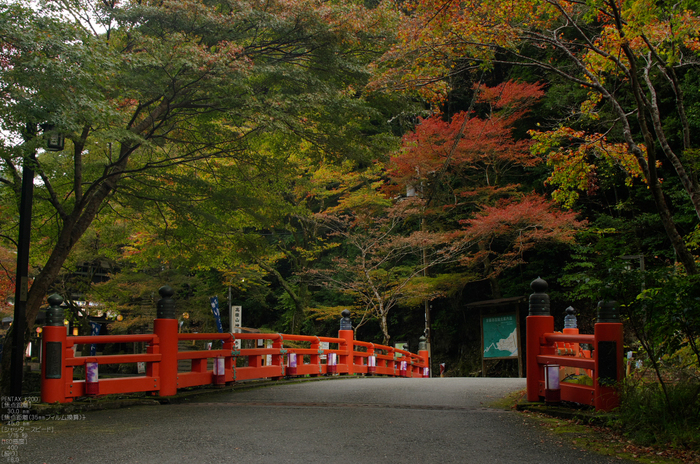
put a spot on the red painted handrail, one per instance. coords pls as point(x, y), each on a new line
point(568, 338)
point(229, 364)
point(544, 347)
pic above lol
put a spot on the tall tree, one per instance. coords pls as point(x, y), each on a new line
point(146, 88)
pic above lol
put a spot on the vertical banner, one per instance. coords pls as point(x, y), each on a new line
point(94, 330)
point(217, 315)
point(235, 318)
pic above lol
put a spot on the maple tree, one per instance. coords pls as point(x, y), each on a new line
point(383, 255)
point(149, 93)
point(513, 227)
point(466, 170)
point(635, 59)
point(469, 155)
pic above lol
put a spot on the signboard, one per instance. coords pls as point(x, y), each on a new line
point(400, 346)
point(500, 335)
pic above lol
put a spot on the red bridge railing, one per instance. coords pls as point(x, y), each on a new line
point(162, 357)
point(551, 356)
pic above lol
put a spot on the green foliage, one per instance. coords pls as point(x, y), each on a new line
point(662, 308)
point(650, 416)
point(134, 294)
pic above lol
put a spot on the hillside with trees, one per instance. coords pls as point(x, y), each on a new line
point(406, 161)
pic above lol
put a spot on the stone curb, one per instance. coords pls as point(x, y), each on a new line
point(567, 411)
point(84, 404)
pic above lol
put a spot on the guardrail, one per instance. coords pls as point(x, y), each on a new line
point(552, 356)
point(346, 357)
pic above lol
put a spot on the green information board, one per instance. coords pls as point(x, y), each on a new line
point(500, 336)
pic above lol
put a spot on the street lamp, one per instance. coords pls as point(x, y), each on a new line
point(54, 140)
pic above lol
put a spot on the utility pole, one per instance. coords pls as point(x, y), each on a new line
point(427, 308)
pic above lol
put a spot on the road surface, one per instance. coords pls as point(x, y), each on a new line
point(353, 420)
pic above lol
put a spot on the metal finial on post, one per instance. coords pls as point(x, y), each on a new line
point(422, 344)
point(539, 300)
point(55, 314)
point(608, 311)
point(165, 308)
point(570, 321)
point(345, 322)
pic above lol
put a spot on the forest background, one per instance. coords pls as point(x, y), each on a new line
point(396, 159)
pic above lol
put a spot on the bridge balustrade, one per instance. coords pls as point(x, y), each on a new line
point(162, 377)
point(550, 355)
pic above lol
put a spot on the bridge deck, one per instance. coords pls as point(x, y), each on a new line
point(358, 420)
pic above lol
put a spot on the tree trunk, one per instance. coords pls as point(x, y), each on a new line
point(385, 327)
point(488, 271)
point(648, 164)
point(684, 256)
point(74, 226)
point(35, 298)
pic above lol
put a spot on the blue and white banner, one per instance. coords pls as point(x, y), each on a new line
point(217, 315)
point(94, 330)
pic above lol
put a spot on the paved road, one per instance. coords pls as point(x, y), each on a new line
point(356, 420)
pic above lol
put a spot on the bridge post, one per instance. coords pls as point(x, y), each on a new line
point(371, 361)
point(229, 345)
point(538, 322)
point(424, 354)
point(348, 335)
point(315, 359)
point(53, 368)
point(278, 359)
point(165, 326)
point(607, 353)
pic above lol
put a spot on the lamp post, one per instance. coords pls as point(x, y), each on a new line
point(22, 275)
point(55, 142)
